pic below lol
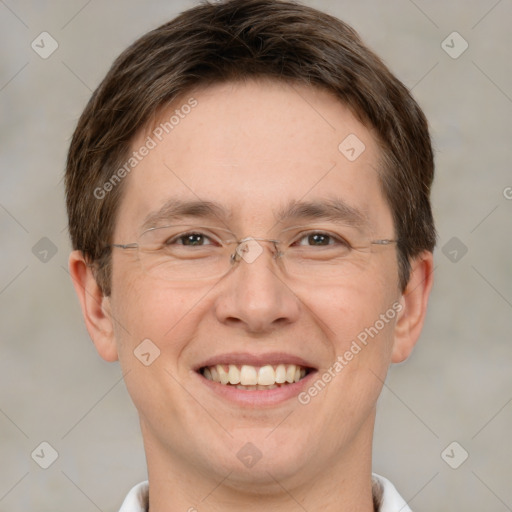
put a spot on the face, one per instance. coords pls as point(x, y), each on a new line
point(255, 150)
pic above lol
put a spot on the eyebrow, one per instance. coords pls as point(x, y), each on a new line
point(332, 209)
point(174, 209)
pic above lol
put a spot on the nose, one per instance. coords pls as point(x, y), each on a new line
point(254, 294)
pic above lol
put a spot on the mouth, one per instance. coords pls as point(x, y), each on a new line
point(255, 378)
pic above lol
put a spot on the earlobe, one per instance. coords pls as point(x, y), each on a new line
point(95, 305)
point(414, 301)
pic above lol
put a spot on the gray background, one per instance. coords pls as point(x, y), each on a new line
point(457, 386)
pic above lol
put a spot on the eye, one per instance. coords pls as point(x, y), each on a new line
point(321, 239)
point(190, 239)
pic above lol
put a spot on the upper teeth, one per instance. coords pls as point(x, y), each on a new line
point(247, 375)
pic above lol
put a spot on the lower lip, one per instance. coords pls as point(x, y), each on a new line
point(258, 397)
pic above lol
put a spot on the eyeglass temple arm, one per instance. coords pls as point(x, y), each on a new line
point(384, 241)
point(125, 246)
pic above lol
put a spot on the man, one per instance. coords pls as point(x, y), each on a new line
point(248, 199)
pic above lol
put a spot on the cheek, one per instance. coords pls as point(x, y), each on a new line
point(359, 318)
point(352, 307)
point(148, 309)
point(362, 338)
point(154, 325)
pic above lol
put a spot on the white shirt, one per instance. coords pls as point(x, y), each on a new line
point(137, 499)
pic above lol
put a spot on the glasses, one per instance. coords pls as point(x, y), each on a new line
point(190, 253)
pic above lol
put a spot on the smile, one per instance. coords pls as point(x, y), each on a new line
point(250, 378)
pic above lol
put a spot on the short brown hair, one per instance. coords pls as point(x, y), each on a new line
point(238, 40)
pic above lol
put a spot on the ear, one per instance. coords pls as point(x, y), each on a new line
point(95, 307)
point(414, 301)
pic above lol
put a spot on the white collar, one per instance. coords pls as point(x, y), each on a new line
point(390, 501)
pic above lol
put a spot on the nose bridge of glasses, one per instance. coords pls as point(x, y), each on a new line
point(250, 248)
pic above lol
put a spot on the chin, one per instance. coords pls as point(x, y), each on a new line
point(258, 458)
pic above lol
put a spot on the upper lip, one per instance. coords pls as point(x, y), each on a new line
point(240, 358)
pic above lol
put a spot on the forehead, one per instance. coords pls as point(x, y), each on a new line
point(255, 147)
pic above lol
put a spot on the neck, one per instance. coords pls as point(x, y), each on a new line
point(342, 483)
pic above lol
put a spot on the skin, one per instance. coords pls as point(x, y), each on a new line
point(253, 147)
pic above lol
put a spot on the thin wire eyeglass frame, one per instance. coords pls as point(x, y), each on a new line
point(237, 254)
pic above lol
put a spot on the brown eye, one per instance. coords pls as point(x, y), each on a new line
point(192, 239)
point(320, 239)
